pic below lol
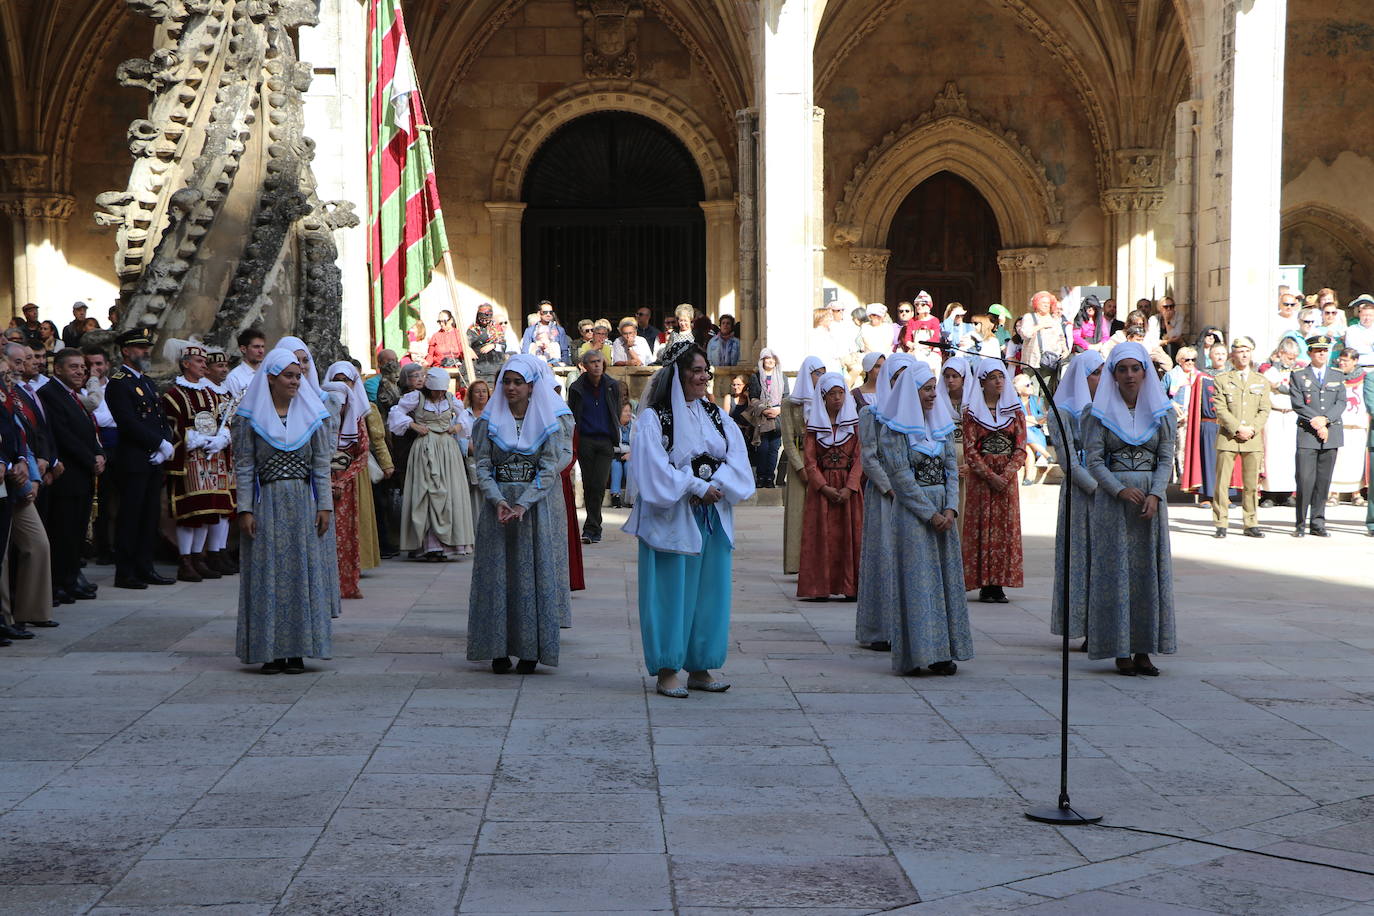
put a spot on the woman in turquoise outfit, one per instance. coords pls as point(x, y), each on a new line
point(689, 464)
point(520, 591)
point(289, 587)
point(921, 574)
point(1128, 445)
point(1073, 396)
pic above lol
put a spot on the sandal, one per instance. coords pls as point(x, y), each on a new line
point(500, 665)
point(1145, 667)
point(1125, 667)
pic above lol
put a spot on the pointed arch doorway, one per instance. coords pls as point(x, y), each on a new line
point(613, 220)
point(944, 239)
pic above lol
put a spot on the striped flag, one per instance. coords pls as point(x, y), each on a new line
point(405, 225)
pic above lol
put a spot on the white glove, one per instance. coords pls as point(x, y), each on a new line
point(166, 450)
point(195, 440)
point(156, 458)
point(218, 443)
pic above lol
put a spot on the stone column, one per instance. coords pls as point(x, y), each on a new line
point(1130, 206)
point(870, 270)
point(747, 287)
point(1023, 272)
point(506, 216)
point(722, 257)
point(1240, 137)
point(38, 227)
point(787, 174)
point(1185, 290)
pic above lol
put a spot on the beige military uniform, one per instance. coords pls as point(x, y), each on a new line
point(1241, 399)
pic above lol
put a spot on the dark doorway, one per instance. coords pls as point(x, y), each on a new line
point(944, 240)
point(613, 222)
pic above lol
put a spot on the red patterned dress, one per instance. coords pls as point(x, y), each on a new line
point(992, 524)
point(344, 468)
point(831, 532)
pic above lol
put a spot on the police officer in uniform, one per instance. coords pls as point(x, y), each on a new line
point(1319, 401)
point(1241, 403)
point(144, 444)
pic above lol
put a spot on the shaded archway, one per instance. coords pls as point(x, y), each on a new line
point(613, 219)
point(944, 239)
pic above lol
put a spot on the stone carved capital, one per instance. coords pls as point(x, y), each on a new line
point(1137, 167)
point(869, 259)
point(23, 171)
point(610, 38)
point(1013, 259)
point(846, 235)
point(38, 206)
point(1131, 200)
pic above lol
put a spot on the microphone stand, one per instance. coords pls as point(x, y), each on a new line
point(1063, 814)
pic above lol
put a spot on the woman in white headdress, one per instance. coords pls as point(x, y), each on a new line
point(690, 466)
point(920, 573)
point(832, 528)
point(436, 511)
point(956, 382)
point(871, 626)
point(520, 594)
point(310, 373)
point(793, 440)
point(289, 589)
point(1128, 445)
point(867, 393)
point(1073, 396)
point(994, 450)
point(348, 460)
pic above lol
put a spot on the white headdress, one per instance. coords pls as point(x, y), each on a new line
point(303, 417)
point(310, 374)
point(801, 391)
point(959, 364)
point(1007, 407)
point(938, 422)
point(541, 417)
point(895, 363)
point(1131, 426)
point(818, 418)
point(1073, 394)
point(356, 404)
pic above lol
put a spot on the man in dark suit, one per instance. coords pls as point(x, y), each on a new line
point(1318, 394)
point(595, 400)
point(78, 448)
point(144, 444)
point(26, 587)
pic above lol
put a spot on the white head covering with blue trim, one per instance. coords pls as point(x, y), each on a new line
point(959, 364)
point(303, 416)
point(901, 410)
point(803, 389)
point(1007, 407)
point(818, 417)
point(936, 423)
point(541, 417)
point(310, 373)
point(1131, 426)
point(1073, 393)
point(894, 364)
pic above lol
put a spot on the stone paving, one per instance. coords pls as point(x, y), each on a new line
point(142, 770)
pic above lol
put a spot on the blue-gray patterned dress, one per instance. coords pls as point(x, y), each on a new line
point(872, 611)
point(289, 586)
point(1072, 529)
point(520, 591)
point(1131, 604)
point(921, 573)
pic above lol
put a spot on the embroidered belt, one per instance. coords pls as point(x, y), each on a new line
point(1131, 458)
point(930, 470)
point(835, 459)
point(284, 466)
point(705, 467)
point(997, 444)
point(516, 470)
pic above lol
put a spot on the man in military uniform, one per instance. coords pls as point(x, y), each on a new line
point(1241, 403)
point(144, 444)
point(1318, 394)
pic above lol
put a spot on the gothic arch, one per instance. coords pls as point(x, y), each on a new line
point(953, 138)
point(1347, 231)
point(583, 98)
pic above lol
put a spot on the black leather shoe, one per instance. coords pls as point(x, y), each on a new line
point(130, 583)
point(9, 632)
point(40, 623)
point(1299, 532)
point(1254, 533)
point(1221, 533)
point(61, 597)
point(4, 642)
point(154, 578)
point(83, 594)
point(1320, 533)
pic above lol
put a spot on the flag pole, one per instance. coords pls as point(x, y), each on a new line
point(457, 313)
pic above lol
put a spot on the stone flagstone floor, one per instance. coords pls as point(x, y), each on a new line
point(142, 770)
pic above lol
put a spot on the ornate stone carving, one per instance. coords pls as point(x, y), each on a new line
point(949, 123)
point(1130, 200)
point(38, 206)
point(23, 171)
point(1022, 259)
point(1138, 168)
point(869, 259)
point(225, 72)
point(610, 38)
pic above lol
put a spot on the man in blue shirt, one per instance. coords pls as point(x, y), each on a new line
point(595, 400)
point(550, 320)
point(723, 349)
